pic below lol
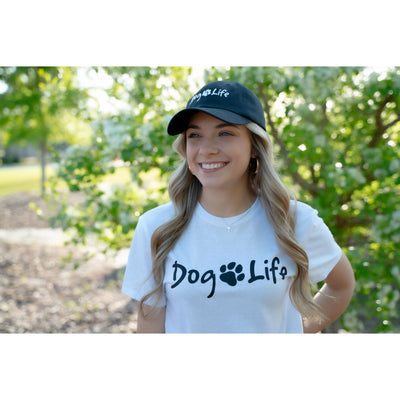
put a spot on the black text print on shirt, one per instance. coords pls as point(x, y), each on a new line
point(230, 274)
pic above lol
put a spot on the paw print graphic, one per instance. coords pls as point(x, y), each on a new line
point(231, 274)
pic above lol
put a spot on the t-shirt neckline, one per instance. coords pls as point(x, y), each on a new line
point(227, 221)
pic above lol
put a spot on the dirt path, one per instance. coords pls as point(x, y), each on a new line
point(38, 296)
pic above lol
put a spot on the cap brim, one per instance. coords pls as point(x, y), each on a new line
point(180, 121)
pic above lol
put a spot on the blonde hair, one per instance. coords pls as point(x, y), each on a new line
point(184, 191)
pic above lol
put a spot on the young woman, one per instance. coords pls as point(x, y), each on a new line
point(232, 252)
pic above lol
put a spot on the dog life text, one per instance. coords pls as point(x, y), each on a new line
point(230, 274)
point(209, 92)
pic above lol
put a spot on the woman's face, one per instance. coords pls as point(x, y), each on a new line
point(218, 153)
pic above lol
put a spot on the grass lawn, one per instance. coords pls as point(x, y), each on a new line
point(24, 178)
point(21, 178)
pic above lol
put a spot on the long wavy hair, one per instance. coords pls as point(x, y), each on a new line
point(185, 190)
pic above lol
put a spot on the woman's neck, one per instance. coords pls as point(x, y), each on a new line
point(226, 203)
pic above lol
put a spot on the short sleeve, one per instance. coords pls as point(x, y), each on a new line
point(317, 240)
point(138, 280)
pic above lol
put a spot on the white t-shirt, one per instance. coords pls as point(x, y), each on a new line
point(237, 280)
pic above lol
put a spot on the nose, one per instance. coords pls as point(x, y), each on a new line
point(209, 146)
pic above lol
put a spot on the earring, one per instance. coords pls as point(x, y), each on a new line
point(254, 165)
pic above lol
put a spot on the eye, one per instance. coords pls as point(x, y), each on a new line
point(193, 135)
point(225, 133)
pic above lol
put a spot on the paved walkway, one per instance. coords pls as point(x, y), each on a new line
point(29, 236)
point(55, 237)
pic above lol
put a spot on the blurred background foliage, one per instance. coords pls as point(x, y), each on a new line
point(336, 132)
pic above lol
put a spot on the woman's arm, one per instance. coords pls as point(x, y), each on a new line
point(334, 296)
point(153, 324)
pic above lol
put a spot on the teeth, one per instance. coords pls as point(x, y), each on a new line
point(212, 166)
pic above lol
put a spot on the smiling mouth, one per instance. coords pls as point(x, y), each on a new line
point(211, 166)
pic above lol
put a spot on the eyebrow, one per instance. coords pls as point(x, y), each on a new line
point(223, 125)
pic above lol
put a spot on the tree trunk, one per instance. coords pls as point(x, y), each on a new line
point(43, 151)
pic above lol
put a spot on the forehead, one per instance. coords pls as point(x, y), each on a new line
point(201, 119)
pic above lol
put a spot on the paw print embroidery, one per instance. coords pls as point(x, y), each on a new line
point(231, 274)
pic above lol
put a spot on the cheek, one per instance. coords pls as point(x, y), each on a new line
point(244, 154)
point(190, 155)
point(189, 152)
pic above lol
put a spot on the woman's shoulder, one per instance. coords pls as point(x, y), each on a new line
point(301, 209)
point(307, 218)
point(157, 216)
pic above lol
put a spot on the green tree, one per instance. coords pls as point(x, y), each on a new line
point(336, 132)
point(135, 134)
point(40, 106)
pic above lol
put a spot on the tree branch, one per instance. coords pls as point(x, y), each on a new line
point(271, 124)
point(380, 128)
point(394, 122)
point(321, 129)
point(311, 188)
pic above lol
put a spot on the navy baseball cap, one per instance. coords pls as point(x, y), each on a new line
point(226, 100)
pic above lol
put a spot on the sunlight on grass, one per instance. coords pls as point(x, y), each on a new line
point(24, 178)
point(21, 178)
